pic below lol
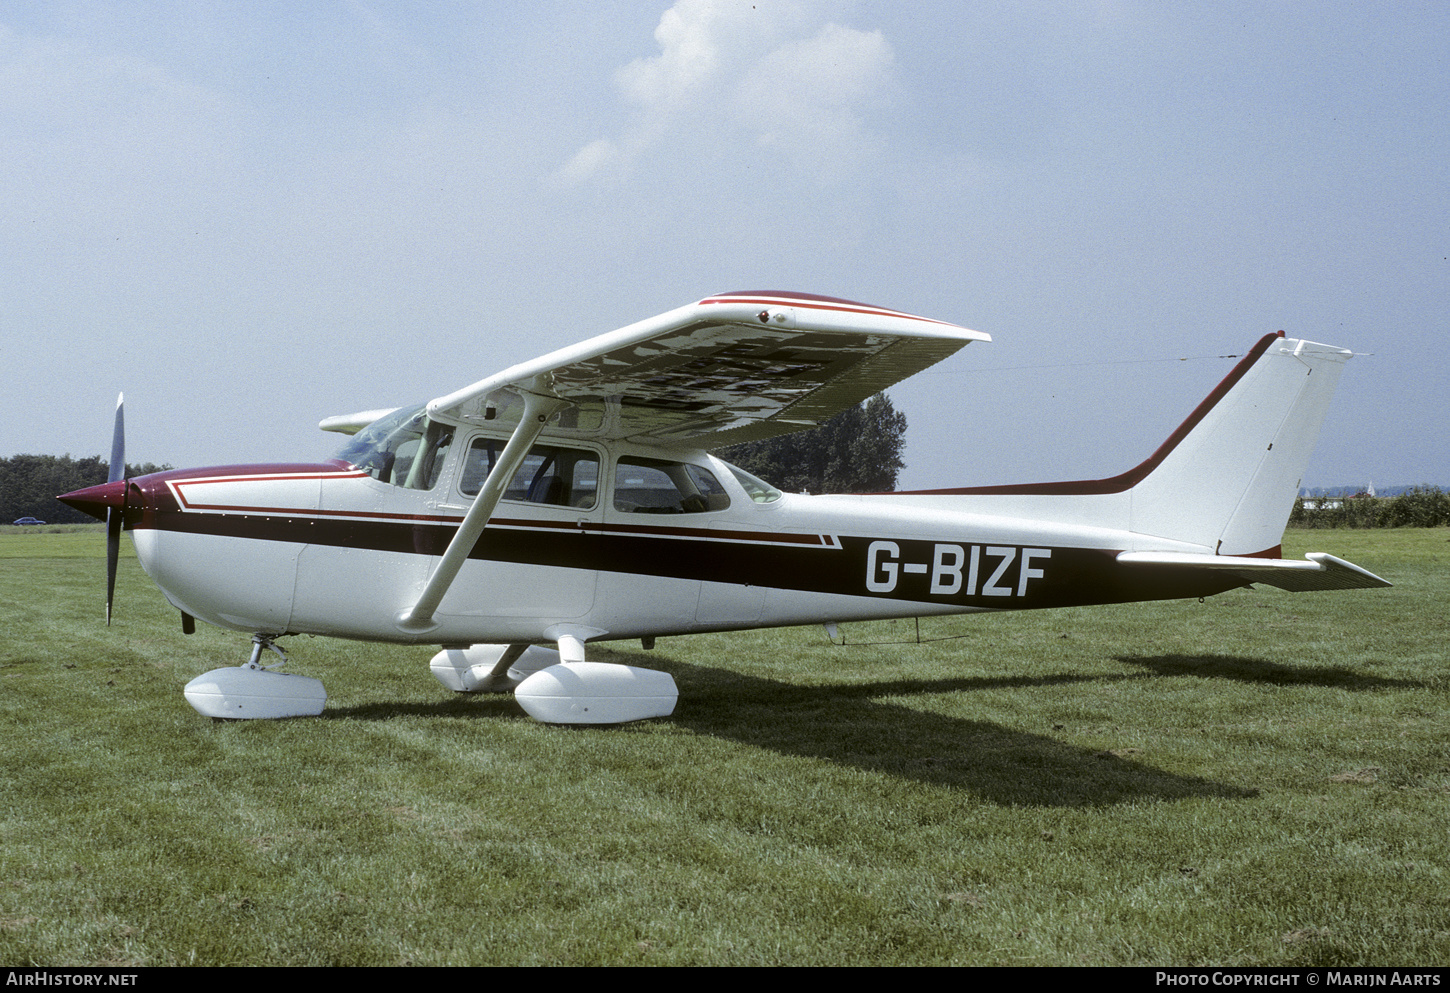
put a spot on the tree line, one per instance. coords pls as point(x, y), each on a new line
point(1418, 507)
point(858, 450)
point(29, 485)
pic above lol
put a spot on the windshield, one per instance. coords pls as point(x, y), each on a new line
point(403, 448)
point(760, 491)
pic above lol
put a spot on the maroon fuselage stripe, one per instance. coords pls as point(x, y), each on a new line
point(1068, 576)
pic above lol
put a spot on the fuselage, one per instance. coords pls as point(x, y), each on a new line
point(602, 539)
point(604, 520)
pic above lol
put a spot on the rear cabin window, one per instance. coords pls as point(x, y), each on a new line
point(657, 486)
point(559, 477)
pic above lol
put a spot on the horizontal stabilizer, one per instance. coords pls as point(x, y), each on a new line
point(1318, 570)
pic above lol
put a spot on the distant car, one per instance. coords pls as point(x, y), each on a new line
point(28, 520)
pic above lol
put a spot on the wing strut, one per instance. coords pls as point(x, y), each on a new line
point(538, 408)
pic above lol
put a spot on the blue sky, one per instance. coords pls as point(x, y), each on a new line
point(250, 216)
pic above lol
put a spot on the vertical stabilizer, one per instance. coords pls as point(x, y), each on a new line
point(1224, 481)
point(1228, 478)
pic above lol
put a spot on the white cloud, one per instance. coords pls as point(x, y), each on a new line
point(689, 38)
point(783, 73)
point(592, 158)
point(805, 98)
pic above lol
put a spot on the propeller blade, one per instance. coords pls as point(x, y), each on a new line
point(114, 519)
point(118, 442)
point(115, 516)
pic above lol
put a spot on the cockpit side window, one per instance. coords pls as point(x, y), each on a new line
point(658, 486)
point(404, 448)
point(561, 477)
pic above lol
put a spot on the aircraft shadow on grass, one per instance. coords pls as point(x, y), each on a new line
point(851, 725)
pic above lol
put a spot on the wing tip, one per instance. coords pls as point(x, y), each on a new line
point(840, 305)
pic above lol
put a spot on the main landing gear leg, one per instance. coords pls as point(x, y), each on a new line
point(252, 691)
point(490, 668)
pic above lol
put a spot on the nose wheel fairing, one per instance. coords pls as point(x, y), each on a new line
point(253, 691)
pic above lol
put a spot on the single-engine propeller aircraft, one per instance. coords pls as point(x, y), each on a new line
point(571, 499)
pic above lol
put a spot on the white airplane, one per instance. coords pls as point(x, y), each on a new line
point(572, 499)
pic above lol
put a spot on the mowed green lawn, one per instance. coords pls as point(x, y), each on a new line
point(1262, 778)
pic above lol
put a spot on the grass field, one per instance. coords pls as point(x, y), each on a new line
point(1262, 778)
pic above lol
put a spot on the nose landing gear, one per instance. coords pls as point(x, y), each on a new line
point(253, 691)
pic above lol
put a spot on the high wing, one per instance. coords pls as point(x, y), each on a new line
point(729, 368)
